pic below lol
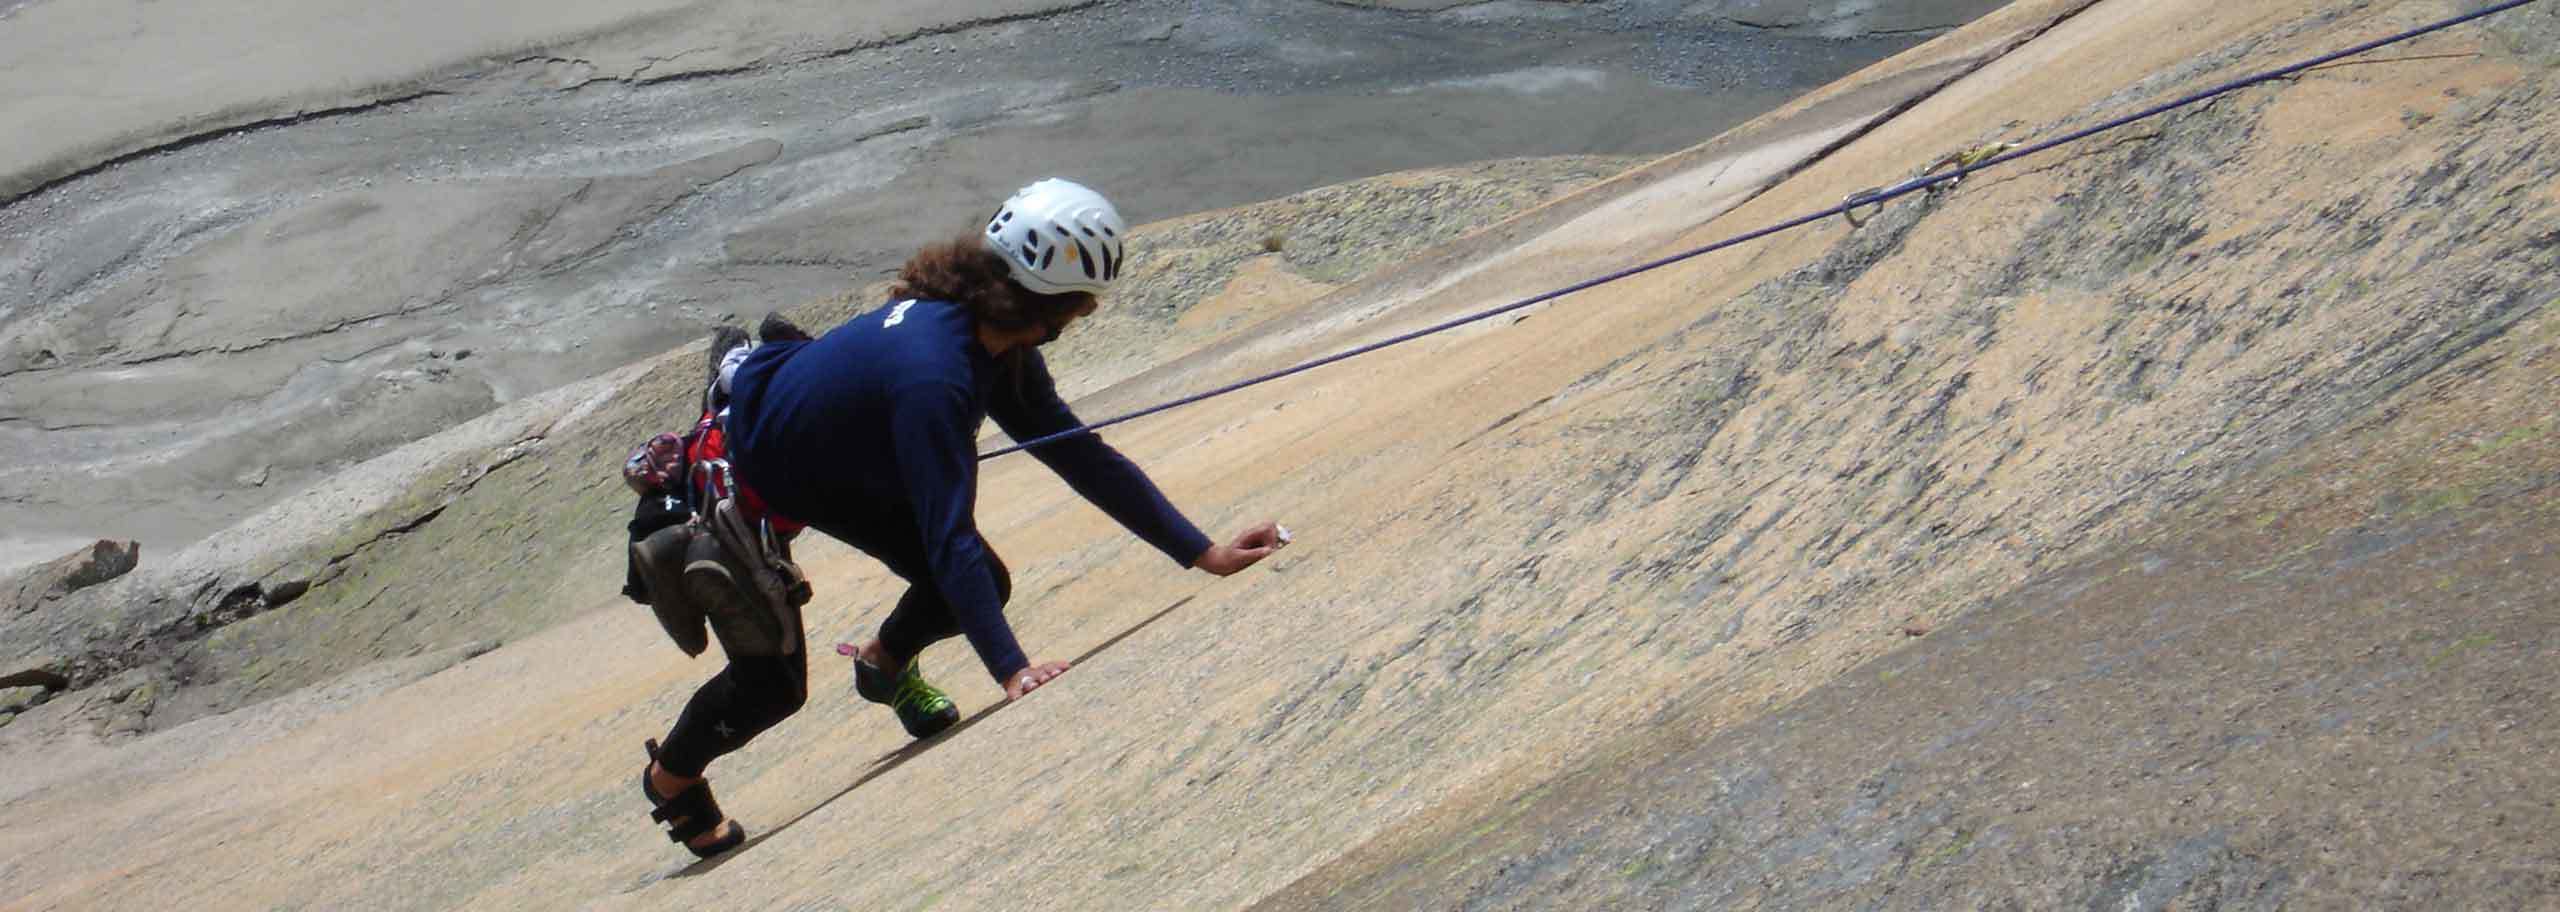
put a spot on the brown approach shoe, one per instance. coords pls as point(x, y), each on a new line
point(738, 612)
point(660, 559)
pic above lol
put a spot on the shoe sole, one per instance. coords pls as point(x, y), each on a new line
point(932, 725)
point(743, 628)
point(677, 612)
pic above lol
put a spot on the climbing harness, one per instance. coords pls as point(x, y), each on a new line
point(1924, 181)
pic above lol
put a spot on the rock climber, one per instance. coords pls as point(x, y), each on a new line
point(868, 435)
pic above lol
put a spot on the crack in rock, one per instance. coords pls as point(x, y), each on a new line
point(35, 181)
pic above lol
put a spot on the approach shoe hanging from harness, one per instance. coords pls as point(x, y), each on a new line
point(747, 625)
point(757, 544)
point(661, 559)
point(745, 583)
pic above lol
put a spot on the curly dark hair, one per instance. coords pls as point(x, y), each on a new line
point(964, 272)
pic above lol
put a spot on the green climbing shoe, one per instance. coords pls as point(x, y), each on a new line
point(923, 708)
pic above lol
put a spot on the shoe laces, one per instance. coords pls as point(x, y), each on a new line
point(913, 693)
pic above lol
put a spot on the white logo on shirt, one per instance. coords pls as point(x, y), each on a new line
point(898, 313)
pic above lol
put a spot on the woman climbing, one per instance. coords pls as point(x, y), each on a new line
point(868, 434)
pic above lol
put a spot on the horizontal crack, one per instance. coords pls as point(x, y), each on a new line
point(825, 261)
point(1905, 32)
point(901, 125)
point(41, 184)
point(938, 31)
point(1811, 24)
point(232, 349)
point(50, 427)
point(652, 61)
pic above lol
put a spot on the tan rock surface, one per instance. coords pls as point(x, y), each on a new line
point(1692, 496)
point(2318, 687)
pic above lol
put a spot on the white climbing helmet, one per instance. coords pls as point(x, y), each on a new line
point(1059, 236)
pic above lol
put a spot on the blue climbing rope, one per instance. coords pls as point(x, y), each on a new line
point(1913, 185)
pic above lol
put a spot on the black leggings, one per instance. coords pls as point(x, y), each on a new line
point(736, 705)
point(754, 693)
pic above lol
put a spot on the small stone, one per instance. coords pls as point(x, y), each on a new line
point(285, 592)
point(142, 697)
point(16, 699)
point(70, 573)
point(126, 723)
point(122, 687)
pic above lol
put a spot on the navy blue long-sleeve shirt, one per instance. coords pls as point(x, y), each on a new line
point(883, 412)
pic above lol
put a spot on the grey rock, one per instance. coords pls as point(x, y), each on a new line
point(128, 722)
point(73, 572)
point(2531, 32)
point(17, 698)
point(143, 697)
point(126, 685)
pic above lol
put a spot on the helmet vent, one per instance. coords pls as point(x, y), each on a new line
point(1049, 214)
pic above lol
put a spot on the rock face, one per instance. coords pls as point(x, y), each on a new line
point(1665, 537)
point(154, 624)
point(396, 555)
point(49, 582)
point(2531, 32)
point(2197, 719)
point(188, 336)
